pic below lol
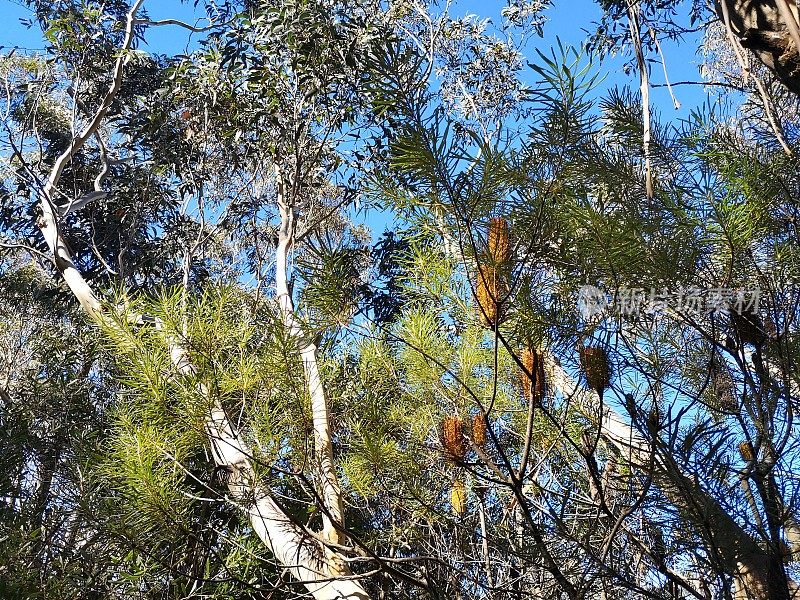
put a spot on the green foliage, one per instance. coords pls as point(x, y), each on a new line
point(105, 463)
point(166, 492)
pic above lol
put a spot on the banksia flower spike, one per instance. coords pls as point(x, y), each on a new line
point(533, 384)
point(479, 430)
point(498, 246)
point(490, 290)
point(528, 360)
point(595, 367)
point(746, 451)
point(458, 497)
point(453, 438)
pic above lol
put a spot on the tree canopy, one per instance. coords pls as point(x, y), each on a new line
point(365, 300)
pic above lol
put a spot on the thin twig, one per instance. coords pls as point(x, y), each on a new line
point(709, 83)
point(162, 22)
point(664, 65)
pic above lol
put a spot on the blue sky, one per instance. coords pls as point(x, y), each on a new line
point(568, 20)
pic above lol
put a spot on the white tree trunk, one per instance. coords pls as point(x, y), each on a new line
point(333, 515)
point(321, 570)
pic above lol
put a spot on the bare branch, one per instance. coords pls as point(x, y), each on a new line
point(94, 123)
point(183, 24)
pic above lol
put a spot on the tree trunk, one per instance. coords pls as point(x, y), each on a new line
point(333, 515)
point(766, 28)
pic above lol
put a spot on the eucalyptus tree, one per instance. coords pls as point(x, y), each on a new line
point(141, 171)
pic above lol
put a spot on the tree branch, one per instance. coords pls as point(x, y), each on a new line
point(742, 556)
point(323, 446)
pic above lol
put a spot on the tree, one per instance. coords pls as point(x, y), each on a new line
point(603, 233)
point(260, 360)
point(301, 151)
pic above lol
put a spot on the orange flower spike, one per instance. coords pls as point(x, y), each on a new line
point(453, 438)
point(498, 246)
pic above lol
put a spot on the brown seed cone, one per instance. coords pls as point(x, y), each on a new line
point(490, 290)
point(453, 438)
point(528, 360)
point(749, 326)
point(594, 363)
point(723, 387)
point(498, 247)
point(533, 384)
point(458, 497)
point(479, 430)
point(746, 451)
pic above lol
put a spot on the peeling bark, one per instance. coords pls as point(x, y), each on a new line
point(763, 27)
